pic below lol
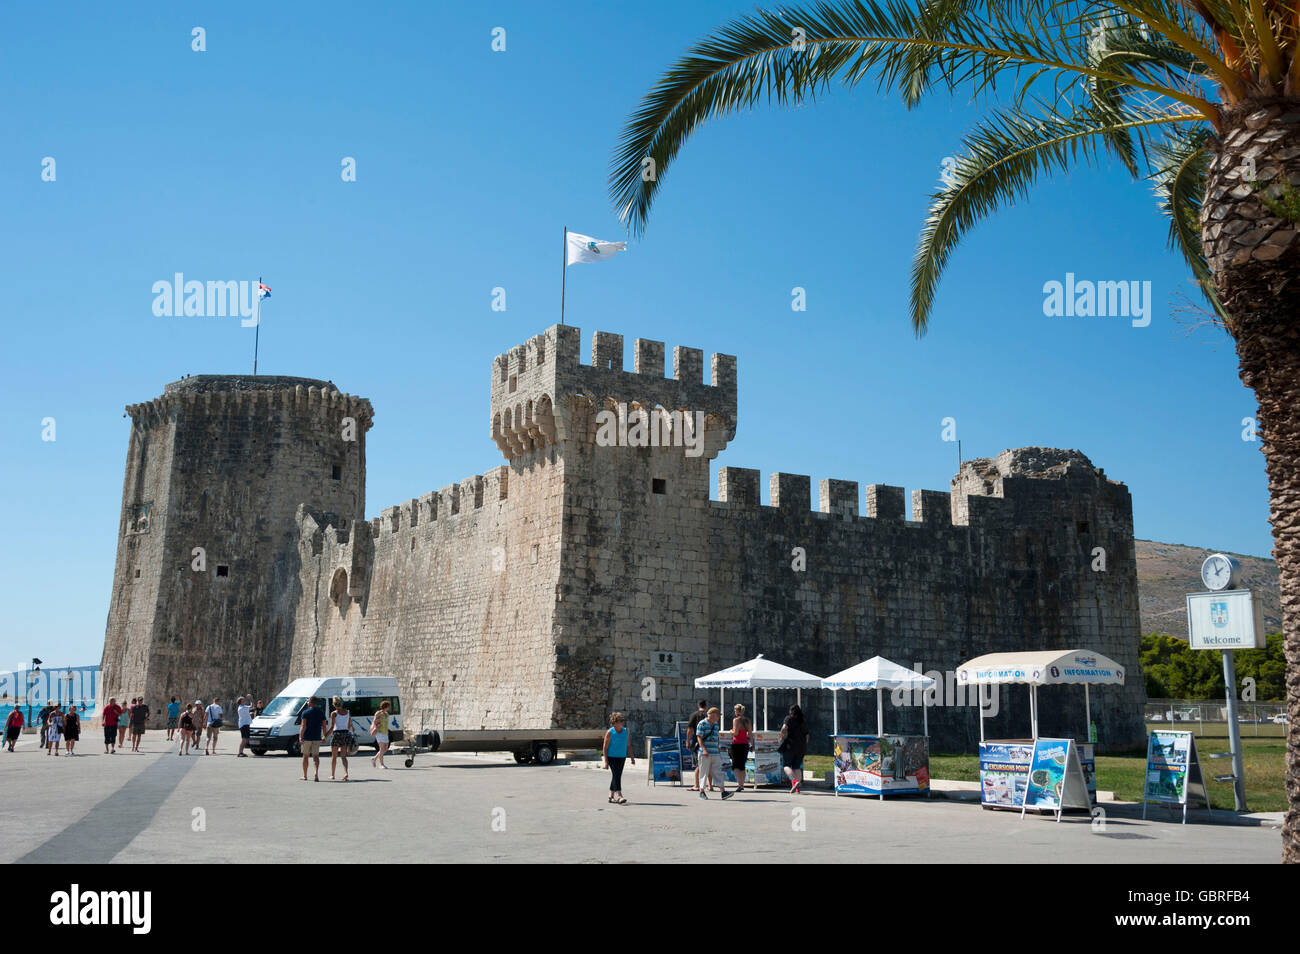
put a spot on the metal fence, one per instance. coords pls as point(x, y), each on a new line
point(1253, 718)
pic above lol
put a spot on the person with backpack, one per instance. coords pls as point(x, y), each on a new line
point(213, 714)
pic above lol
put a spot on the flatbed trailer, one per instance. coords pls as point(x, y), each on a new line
point(539, 746)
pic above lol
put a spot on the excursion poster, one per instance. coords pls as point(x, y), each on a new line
point(1004, 773)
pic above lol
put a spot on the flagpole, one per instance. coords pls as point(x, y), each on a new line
point(257, 329)
point(564, 269)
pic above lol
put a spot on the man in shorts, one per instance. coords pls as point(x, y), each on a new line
point(213, 714)
point(173, 718)
point(244, 719)
point(311, 730)
point(112, 712)
point(139, 719)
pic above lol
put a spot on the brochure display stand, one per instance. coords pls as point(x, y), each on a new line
point(881, 765)
point(1173, 774)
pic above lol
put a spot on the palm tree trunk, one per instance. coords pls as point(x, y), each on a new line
point(1254, 254)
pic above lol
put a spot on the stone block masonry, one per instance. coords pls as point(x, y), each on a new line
point(536, 593)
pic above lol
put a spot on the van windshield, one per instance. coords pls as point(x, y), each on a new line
point(284, 706)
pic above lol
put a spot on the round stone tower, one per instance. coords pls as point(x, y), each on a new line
point(205, 587)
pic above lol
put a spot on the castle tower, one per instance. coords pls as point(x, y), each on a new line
point(205, 588)
point(634, 449)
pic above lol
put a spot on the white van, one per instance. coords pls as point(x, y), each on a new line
point(277, 726)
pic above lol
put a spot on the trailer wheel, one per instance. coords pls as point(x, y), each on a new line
point(544, 753)
point(523, 757)
point(409, 762)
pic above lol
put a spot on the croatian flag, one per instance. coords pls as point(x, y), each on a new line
point(263, 291)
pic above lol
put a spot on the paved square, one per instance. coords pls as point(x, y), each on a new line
point(156, 807)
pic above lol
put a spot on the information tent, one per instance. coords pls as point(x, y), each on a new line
point(1005, 763)
point(880, 764)
point(755, 674)
point(1173, 775)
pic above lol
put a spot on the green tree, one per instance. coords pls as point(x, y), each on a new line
point(1199, 96)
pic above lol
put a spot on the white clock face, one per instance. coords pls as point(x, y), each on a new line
point(1216, 572)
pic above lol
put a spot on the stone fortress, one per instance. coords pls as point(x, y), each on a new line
point(536, 594)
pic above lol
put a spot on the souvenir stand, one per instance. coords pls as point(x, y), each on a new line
point(880, 764)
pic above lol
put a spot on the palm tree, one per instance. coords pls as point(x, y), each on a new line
point(1202, 97)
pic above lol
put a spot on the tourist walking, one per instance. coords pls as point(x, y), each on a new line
point(187, 730)
point(173, 718)
point(615, 754)
point(124, 722)
point(71, 729)
point(13, 728)
point(340, 737)
point(709, 732)
point(693, 743)
point(54, 729)
point(311, 730)
point(212, 719)
point(200, 718)
point(109, 718)
point(379, 729)
point(244, 720)
point(793, 747)
point(740, 730)
point(139, 719)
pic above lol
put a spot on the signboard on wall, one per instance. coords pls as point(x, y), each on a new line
point(665, 664)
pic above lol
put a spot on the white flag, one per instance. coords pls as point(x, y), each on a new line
point(582, 249)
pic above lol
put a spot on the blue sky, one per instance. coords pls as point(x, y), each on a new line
point(226, 165)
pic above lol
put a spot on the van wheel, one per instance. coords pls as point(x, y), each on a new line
point(523, 758)
point(294, 750)
point(544, 753)
point(259, 751)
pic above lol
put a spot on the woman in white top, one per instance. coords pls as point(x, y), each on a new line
point(379, 729)
point(340, 737)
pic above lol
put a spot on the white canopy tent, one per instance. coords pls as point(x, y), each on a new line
point(759, 673)
point(877, 673)
point(1053, 667)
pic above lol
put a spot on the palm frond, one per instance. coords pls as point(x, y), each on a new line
point(1005, 155)
point(789, 55)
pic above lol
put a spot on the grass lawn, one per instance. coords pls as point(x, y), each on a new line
point(1264, 760)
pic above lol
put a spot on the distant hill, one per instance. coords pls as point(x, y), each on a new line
point(1167, 572)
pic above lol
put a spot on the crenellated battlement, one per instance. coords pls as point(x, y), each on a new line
point(253, 394)
point(1020, 487)
point(540, 386)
